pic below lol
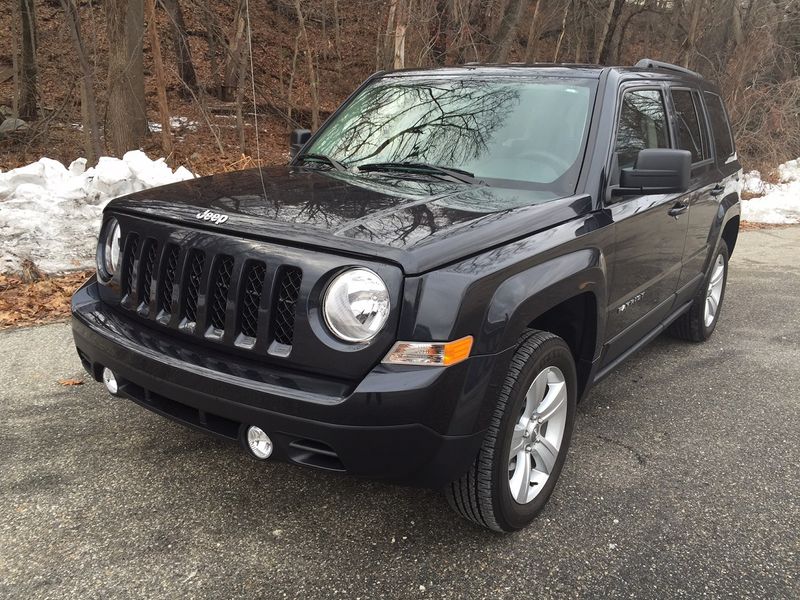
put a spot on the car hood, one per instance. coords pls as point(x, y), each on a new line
point(418, 224)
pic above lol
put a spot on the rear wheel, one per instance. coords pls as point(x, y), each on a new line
point(525, 446)
point(699, 322)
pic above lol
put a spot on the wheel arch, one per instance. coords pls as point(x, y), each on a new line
point(575, 321)
point(564, 296)
point(730, 233)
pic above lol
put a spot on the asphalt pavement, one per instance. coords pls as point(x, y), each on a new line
point(683, 481)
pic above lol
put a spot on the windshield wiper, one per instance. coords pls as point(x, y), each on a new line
point(322, 158)
point(458, 174)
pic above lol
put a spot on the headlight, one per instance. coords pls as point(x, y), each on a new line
point(109, 249)
point(356, 305)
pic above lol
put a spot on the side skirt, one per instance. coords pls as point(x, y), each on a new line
point(602, 373)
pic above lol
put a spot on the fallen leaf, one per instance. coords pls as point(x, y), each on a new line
point(70, 382)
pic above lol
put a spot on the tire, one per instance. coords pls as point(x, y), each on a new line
point(693, 325)
point(484, 493)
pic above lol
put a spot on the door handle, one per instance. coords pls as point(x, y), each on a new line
point(678, 209)
point(718, 189)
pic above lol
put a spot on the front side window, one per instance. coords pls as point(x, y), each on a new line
point(688, 131)
point(642, 124)
point(512, 132)
point(723, 142)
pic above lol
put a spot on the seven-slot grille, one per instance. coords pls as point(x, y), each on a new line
point(215, 296)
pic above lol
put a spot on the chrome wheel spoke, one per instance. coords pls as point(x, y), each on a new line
point(556, 398)
point(717, 278)
point(536, 393)
point(544, 455)
point(520, 480)
point(518, 439)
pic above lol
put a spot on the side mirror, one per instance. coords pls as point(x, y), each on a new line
point(298, 139)
point(657, 171)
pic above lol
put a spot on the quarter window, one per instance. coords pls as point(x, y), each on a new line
point(723, 142)
point(688, 129)
point(642, 124)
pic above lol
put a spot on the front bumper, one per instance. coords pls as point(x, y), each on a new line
point(418, 426)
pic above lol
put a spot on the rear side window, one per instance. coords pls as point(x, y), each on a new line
point(688, 129)
point(723, 141)
point(642, 124)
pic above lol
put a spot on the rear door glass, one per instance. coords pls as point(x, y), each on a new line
point(723, 142)
point(642, 124)
point(688, 130)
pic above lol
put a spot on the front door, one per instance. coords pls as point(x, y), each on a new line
point(649, 234)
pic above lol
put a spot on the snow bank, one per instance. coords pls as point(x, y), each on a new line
point(779, 203)
point(51, 214)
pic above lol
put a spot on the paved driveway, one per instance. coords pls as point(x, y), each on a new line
point(683, 481)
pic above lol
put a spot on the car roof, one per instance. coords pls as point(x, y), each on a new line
point(485, 69)
point(653, 71)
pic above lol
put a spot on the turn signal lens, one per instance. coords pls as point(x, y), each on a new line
point(441, 354)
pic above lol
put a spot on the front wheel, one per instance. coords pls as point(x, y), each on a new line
point(525, 446)
point(698, 323)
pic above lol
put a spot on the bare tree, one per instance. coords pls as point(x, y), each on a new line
point(691, 39)
point(235, 49)
point(609, 27)
point(505, 31)
point(533, 34)
point(27, 64)
point(126, 118)
point(563, 30)
point(183, 53)
point(161, 82)
point(400, 26)
point(91, 130)
point(312, 75)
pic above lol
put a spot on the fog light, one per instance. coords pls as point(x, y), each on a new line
point(110, 381)
point(258, 442)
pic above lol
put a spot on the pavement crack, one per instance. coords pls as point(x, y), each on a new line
point(640, 458)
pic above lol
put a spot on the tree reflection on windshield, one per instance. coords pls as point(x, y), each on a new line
point(523, 130)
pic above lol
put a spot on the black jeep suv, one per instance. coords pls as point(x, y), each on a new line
point(439, 275)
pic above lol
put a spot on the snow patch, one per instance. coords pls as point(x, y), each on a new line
point(778, 203)
point(174, 123)
point(51, 214)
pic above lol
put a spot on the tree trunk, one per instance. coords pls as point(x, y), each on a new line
point(691, 40)
point(27, 66)
point(563, 31)
point(337, 36)
point(438, 33)
point(312, 76)
point(533, 35)
point(241, 79)
point(609, 27)
point(183, 52)
point(126, 123)
point(505, 32)
point(736, 24)
point(161, 80)
point(401, 25)
point(233, 58)
point(388, 40)
point(91, 131)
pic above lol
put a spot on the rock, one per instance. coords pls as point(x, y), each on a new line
point(10, 125)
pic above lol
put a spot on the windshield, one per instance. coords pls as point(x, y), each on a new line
point(518, 132)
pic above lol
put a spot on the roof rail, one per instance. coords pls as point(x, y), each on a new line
point(649, 63)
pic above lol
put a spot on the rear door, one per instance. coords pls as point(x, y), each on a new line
point(722, 143)
point(690, 132)
point(649, 240)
